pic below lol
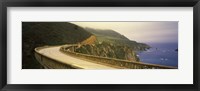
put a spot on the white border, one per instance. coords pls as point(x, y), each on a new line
point(182, 75)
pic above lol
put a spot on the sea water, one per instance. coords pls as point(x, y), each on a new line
point(160, 53)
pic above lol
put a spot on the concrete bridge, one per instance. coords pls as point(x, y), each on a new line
point(53, 58)
point(59, 57)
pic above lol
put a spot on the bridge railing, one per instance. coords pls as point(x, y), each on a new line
point(115, 62)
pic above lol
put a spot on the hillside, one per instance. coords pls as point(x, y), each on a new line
point(108, 50)
point(106, 33)
point(36, 34)
point(110, 36)
point(110, 44)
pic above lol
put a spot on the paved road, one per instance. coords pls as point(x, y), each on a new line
point(53, 52)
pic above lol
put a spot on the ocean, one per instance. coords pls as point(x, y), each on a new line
point(160, 53)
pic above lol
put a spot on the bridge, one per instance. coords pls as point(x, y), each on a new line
point(62, 57)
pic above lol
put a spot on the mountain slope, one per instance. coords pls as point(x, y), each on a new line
point(110, 36)
point(36, 34)
point(106, 33)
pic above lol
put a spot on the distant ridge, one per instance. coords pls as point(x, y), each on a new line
point(106, 33)
point(116, 38)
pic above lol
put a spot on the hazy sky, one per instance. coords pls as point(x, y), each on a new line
point(165, 31)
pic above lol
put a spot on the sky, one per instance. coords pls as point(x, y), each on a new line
point(145, 32)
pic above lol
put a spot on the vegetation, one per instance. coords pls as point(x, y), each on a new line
point(36, 34)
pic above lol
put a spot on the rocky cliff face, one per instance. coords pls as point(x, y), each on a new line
point(91, 40)
point(109, 50)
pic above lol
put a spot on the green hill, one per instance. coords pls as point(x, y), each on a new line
point(36, 34)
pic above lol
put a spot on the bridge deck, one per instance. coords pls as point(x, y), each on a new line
point(54, 53)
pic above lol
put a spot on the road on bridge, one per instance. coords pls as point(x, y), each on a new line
point(54, 53)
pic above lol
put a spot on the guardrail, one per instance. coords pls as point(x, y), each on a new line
point(116, 62)
point(50, 63)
